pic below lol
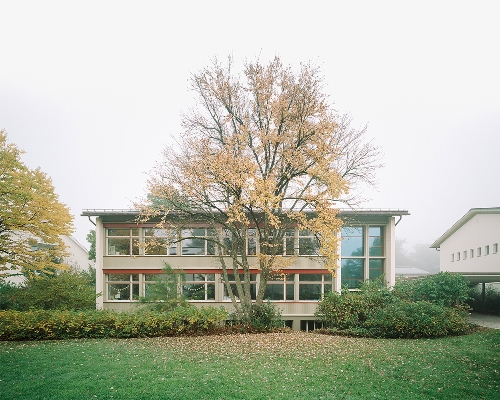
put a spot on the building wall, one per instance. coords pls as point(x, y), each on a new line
point(294, 311)
point(473, 248)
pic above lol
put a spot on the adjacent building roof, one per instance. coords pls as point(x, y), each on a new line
point(462, 221)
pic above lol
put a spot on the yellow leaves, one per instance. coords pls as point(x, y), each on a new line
point(29, 210)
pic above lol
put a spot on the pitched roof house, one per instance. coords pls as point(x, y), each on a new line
point(470, 246)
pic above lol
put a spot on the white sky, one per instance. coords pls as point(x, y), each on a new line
point(93, 90)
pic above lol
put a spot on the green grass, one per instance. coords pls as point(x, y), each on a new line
point(263, 366)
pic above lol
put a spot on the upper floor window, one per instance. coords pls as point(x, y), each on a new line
point(479, 251)
point(486, 250)
point(308, 243)
point(159, 242)
point(465, 254)
point(471, 252)
point(197, 241)
point(123, 241)
point(353, 241)
point(495, 248)
point(375, 241)
point(452, 257)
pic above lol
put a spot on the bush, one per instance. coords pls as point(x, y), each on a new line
point(491, 300)
point(444, 289)
point(66, 290)
point(265, 317)
point(65, 324)
point(350, 309)
point(420, 319)
point(430, 307)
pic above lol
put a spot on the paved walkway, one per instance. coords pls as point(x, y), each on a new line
point(488, 321)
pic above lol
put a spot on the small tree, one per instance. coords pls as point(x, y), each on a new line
point(91, 241)
point(262, 153)
point(165, 293)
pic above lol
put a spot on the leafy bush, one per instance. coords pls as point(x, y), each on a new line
point(66, 290)
point(420, 319)
point(445, 289)
point(61, 324)
point(491, 300)
point(265, 317)
point(349, 310)
point(430, 307)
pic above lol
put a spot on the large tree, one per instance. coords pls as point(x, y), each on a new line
point(261, 153)
point(31, 216)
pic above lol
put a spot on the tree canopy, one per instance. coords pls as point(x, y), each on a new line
point(261, 153)
point(31, 216)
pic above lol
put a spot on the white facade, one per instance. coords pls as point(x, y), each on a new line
point(124, 266)
point(471, 246)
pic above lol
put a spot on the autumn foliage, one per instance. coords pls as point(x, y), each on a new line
point(31, 216)
point(265, 151)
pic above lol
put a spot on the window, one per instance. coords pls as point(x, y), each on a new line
point(352, 241)
point(196, 242)
point(232, 281)
point(122, 286)
point(375, 241)
point(352, 271)
point(465, 254)
point(199, 287)
point(314, 286)
point(486, 250)
point(308, 243)
point(251, 241)
point(358, 265)
point(123, 241)
point(495, 248)
point(282, 289)
point(471, 251)
point(452, 257)
point(479, 251)
point(458, 256)
point(159, 242)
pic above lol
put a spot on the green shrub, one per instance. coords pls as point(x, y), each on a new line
point(66, 290)
point(491, 303)
point(66, 324)
point(445, 289)
point(349, 309)
point(265, 317)
point(420, 319)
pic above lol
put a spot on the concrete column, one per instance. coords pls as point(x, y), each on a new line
point(100, 238)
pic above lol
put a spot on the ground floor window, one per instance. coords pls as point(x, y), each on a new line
point(280, 289)
point(123, 286)
point(199, 287)
point(232, 282)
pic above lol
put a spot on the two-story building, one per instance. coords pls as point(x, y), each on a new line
point(125, 264)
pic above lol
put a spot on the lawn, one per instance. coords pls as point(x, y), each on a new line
point(294, 365)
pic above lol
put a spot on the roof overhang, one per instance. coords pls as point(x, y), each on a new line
point(462, 221)
point(343, 212)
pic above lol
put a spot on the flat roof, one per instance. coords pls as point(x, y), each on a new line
point(462, 221)
point(342, 211)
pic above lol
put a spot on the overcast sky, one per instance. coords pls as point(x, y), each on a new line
point(93, 90)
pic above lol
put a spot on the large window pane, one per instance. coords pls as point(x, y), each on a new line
point(352, 271)
point(376, 241)
point(118, 246)
point(376, 268)
point(352, 241)
point(309, 291)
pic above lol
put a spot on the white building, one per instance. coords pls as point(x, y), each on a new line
point(470, 246)
point(124, 266)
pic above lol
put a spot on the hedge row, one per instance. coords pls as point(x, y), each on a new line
point(431, 307)
point(57, 324)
